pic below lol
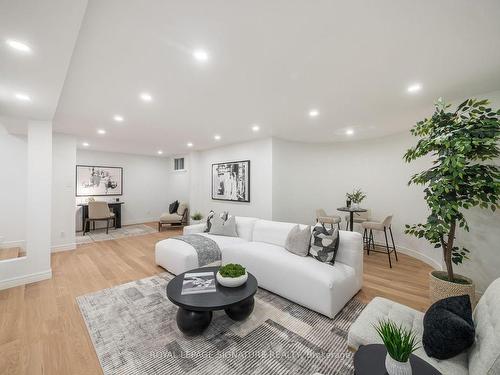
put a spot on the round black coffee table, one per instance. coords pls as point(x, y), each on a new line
point(195, 310)
point(370, 360)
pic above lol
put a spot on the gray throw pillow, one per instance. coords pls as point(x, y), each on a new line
point(298, 241)
point(324, 244)
point(223, 228)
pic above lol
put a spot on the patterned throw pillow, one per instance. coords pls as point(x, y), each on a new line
point(324, 244)
point(224, 215)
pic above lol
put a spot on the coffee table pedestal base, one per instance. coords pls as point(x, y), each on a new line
point(193, 323)
point(242, 310)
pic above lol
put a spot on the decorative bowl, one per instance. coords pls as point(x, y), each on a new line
point(232, 282)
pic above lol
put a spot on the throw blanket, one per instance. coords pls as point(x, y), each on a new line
point(207, 249)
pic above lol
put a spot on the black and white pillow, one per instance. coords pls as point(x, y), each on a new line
point(224, 215)
point(324, 244)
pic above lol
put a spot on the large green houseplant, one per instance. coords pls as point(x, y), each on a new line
point(462, 144)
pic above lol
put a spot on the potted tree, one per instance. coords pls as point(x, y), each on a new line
point(461, 143)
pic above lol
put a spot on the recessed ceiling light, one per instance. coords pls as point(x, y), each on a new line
point(255, 128)
point(189, 144)
point(118, 118)
point(217, 137)
point(416, 87)
point(349, 132)
point(160, 152)
point(85, 144)
point(313, 113)
point(17, 45)
point(101, 131)
point(22, 97)
point(200, 55)
point(145, 96)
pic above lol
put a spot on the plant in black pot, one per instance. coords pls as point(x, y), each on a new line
point(232, 275)
point(400, 343)
point(461, 143)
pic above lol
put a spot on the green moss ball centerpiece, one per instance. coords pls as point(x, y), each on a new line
point(232, 275)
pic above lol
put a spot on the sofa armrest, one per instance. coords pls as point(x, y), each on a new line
point(192, 229)
point(351, 252)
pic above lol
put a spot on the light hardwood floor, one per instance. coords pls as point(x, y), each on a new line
point(42, 331)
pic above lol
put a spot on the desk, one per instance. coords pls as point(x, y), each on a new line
point(116, 207)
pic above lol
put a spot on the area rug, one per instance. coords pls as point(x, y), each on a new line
point(114, 234)
point(134, 331)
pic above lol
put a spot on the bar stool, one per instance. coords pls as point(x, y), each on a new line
point(358, 218)
point(323, 218)
point(369, 242)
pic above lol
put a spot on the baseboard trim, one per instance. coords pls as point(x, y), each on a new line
point(417, 255)
point(63, 247)
point(9, 244)
point(26, 279)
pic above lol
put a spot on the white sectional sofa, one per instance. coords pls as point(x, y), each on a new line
point(260, 248)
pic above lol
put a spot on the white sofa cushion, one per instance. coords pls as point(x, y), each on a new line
point(484, 355)
point(362, 332)
point(177, 256)
point(318, 286)
point(244, 227)
point(272, 232)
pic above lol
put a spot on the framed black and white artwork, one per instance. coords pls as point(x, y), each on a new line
point(93, 180)
point(231, 181)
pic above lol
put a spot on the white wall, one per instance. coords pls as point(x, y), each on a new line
point(260, 155)
point(310, 176)
point(13, 182)
point(63, 192)
point(145, 183)
point(35, 265)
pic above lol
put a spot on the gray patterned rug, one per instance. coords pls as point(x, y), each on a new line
point(134, 331)
point(114, 234)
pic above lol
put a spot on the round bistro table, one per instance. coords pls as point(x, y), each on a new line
point(195, 310)
point(370, 360)
point(351, 211)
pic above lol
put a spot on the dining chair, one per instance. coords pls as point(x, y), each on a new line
point(323, 218)
point(369, 242)
point(99, 211)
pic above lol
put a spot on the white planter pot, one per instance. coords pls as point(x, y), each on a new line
point(194, 222)
point(231, 282)
point(394, 367)
point(355, 205)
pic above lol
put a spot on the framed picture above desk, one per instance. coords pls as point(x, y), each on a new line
point(94, 180)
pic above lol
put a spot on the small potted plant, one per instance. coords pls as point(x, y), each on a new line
point(356, 197)
point(196, 218)
point(232, 275)
point(400, 343)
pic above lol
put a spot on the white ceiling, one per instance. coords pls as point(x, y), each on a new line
point(270, 62)
point(50, 28)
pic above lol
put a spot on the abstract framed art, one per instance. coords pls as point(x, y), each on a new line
point(231, 181)
point(93, 180)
